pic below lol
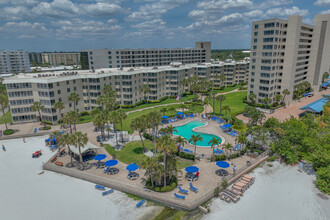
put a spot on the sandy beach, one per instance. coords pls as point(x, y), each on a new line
point(279, 192)
point(26, 195)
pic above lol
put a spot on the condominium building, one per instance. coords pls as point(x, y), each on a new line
point(116, 58)
point(60, 58)
point(14, 61)
point(35, 57)
point(49, 88)
point(282, 55)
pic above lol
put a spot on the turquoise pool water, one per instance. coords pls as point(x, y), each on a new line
point(187, 130)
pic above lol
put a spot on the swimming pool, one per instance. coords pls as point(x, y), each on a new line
point(187, 130)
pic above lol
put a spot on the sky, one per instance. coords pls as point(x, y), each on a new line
point(73, 25)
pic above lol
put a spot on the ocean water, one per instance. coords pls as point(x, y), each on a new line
point(187, 130)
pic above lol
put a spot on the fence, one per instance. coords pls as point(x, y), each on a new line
point(149, 194)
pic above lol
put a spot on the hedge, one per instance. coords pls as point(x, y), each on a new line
point(148, 136)
point(47, 122)
point(167, 188)
point(46, 128)
point(83, 113)
point(186, 93)
point(218, 157)
point(186, 155)
point(8, 132)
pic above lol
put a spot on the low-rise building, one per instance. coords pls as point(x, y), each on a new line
point(48, 88)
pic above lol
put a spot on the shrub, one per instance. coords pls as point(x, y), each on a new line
point(8, 132)
point(154, 101)
point(219, 157)
point(147, 136)
point(46, 128)
point(186, 93)
point(83, 113)
point(47, 122)
point(167, 188)
point(216, 191)
point(271, 159)
point(224, 184)
point(186, 156)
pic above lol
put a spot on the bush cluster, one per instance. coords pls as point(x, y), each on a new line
point(219, 157)
point(186, 93)
point(46, 128)
point(219, 88)
point(147, 136)
point(186, 156)
point(47, 122)
point(83, 113)
point(159, 100)
point(167, 188)
point(8, 132)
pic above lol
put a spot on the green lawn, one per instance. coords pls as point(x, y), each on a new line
point(226, 89)
point(9, 119)
point(183, 163)
point(235, 102)
point(131, 153)
point(131, 116)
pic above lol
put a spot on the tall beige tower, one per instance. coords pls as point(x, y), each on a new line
point(206, 45)
point(320, 50)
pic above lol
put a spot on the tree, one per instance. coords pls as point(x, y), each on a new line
point(121, 117)
point(181, 141)
point(154, 118)
point(184, 83)
point(163, 111)
point(37, 107)
point(214, 142)
point(228, 147)
point(151, 165)
point(212, 97)
point(221, 98)
point(60, 106)
point(68, 120)
point(285, 93)
point(194, 139)
point(278, 98)
point(138, 124)
point(145, 89)
point(166, 144)
point(79, 140)
point(100, 119)
point(74, 97)
point(253, 98)
point(170, 130)
point(56, 135)
point(221, 78)
point(66, 140)
point(267, 101)
point(4, 104)
point(241, 138)
point(325, 76)
point(256, 116)
point(114, 119)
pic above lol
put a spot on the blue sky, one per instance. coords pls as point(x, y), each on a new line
point(71, 25)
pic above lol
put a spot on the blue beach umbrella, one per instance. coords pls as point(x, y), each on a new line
point(100, 157)
point(164, 116)
point(54, 139)
point(192, 169)
point(132, 167)
point(111, 163)
point(180, 113)
point(47, 139)
point(222, 164)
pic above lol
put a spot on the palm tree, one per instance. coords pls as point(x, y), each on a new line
point(68, 120)
point(194, 139)
point(228, 147)
point(181, 141)
point(220, 77)
point(252, 98)
point(221, 98)
point(114, 119)
point(100, 119)
point(212, 97)
point(145, 89)
point(184, 82)
point(4, 104)
point(285, 93)
point(166, 144)
point(266, 101)
point(214, 142)
point(170, 129)
point(79, 140)
point(74, 97)
point(154, 118)
point(37, 107)
point(277, 98)
point(138, 124)
point(151, 165)
point(56, 135)
point(66, 140)
point(121, 117)
point(60, 106)
point(74, 116)
point(163, 111)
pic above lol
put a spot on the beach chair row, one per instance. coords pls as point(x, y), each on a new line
point(186, 150)
point(185, 192)
point(233, 133)
point(217, 151)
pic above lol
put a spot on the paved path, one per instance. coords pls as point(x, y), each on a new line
point(138, 110)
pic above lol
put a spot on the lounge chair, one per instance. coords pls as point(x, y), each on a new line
point(107, 192)
point(179, 196)
point(191, 115)
point(99, 187)
point(183, 191)
point(192, 188)
point(35, 130)
point(139, 204)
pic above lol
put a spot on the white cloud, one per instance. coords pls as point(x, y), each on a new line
point(271, 3)
point(285, 12)
point(308, 21)
point(14, 13)
point(24, 29)
point(102, 9)
point(197, 14)
point(322, 3)
point(254, 13)
point(150, 25)
point(19, 2)
point(216, 6)
point(325, 12)
point(56, 8)
point(154, 9)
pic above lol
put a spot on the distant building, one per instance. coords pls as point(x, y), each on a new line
point(14, 61)
point(117, 58)
point(35, 58)
point(51, 87)
point(60, 58)
point(285, 53)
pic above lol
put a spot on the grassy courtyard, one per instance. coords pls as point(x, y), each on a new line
point(235, 102)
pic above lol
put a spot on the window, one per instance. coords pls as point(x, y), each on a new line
point(74, 81)
point(254, 54)
point(256, 33)
point(59, 92)
point(267, 47)
point(254, 47)
point(265, 68)
point(255, 40)
point(256, 26)
point(265, 75)
point(270, 32)
point(109, 52)
point(67, 82)
point(252, 73)
point(268, 39)
point(68, 89)
point(109, 57)
point(253, 67)
point(58, 84)
point(90, 53)
point(269, 25)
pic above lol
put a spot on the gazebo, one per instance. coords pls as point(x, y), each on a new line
point(88, 151)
